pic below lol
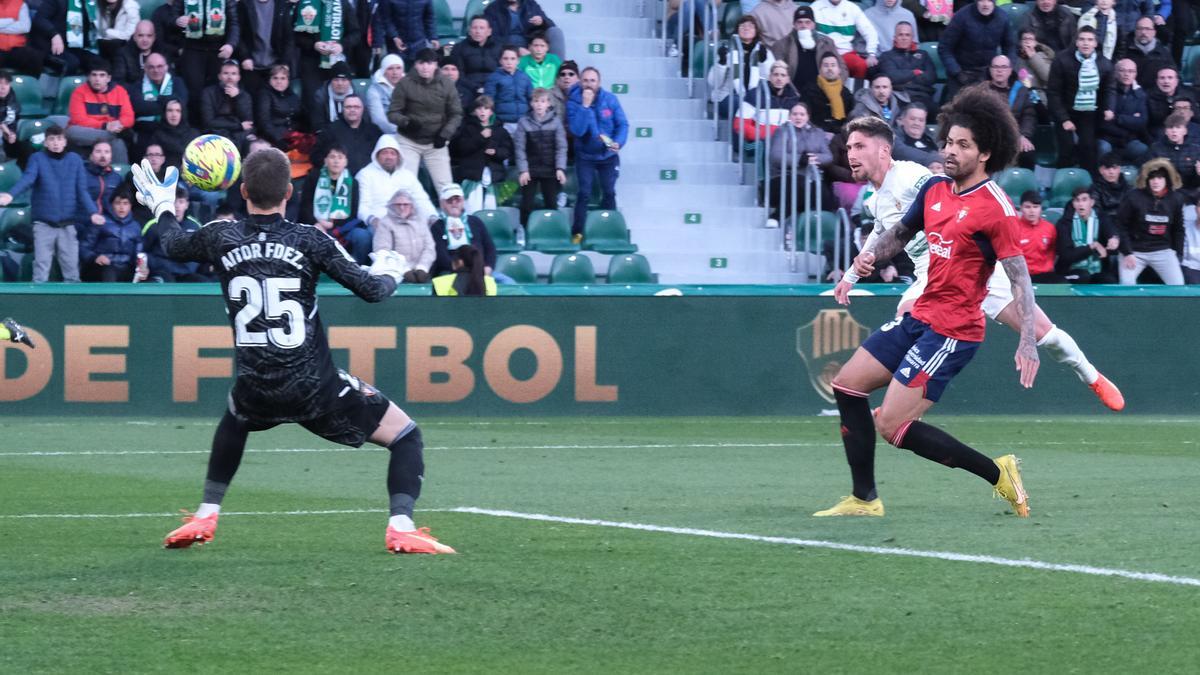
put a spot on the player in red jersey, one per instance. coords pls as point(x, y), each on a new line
point(970, 225)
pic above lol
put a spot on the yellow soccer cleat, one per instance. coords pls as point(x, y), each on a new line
point(417, 541)
point(14, 332)
point(853, 506)
point(1010, 486)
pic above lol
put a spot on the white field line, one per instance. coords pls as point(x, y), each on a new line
point(603, 446)
point(950, 556)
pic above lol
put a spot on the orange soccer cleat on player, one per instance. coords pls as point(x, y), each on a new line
point(193, 531)
point(414, 541)
point(1108, 393)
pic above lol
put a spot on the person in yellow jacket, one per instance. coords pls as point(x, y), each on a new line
point(12, 331)
point(468, 277)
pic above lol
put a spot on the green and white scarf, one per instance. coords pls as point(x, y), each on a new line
point(1083, 234)
point(1089, 83)
point(324, 17)
point(205, 17)
point(332, 202)
point(153, 92)
point(79, 12)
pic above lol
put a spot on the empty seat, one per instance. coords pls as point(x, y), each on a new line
point(1015, 182)
point(572, 268)
point(1065, 181)
point(549, 232)
point(29, 93)
point(518, 267)
point(629, 268)
point(606, 232)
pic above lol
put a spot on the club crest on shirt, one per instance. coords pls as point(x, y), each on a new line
point(963, 213)
point(825, 344)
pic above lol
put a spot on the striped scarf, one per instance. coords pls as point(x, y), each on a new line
point(1089, 83)
point(1083, 234)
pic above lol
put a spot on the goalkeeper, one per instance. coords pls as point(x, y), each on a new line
point(268, 267)
point(11, 331)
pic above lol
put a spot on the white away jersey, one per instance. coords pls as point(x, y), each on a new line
point(887, 205)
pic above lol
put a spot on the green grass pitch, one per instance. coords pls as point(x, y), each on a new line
point(283, 590)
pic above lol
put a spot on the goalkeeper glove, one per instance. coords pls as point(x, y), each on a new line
point(388, 263)
point(156, 195)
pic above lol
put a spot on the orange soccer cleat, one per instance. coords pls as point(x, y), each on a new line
point(416, 541)
point(193, 531)
point(1108, 393)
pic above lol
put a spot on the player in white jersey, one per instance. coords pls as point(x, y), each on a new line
point(895, 186)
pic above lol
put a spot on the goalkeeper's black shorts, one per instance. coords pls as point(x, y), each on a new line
point(351, 418)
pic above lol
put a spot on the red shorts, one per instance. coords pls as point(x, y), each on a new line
point(856, 64)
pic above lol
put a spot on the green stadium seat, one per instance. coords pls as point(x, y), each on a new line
point(572, 268)
point(473, 7)
point(731, 13)
point(931, 48)
point(10, 173)
point(518, 267)
point(1052, 214)
point(606, 232)
point(122, 170)
point(32, 132)
point(501, 228)
point(10, 217)
point(1016, 181)
point(828, 223)
point(29, 93)
point(1066, 180)
point(445, 19)
point(1046, 143)
point(1191, 53)
point(360, 87)
point(66, 87)
point(549, 232)
point(148, 7)
point(629, 268)
point(1130, 173)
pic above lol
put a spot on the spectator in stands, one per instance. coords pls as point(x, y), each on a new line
point(406, 26)
point(568, 77)
point(758, 117)
point(515, 22)
point(1130, 11)
point(1150, 55)
point(449, 70)
point(1086, 242)
point(326, 105)
point(129, 62)
point(370, 45)
point(1036, 239)
point(59, 187)
point(1110, 187)
point(225, 108)
point(974, 36)
point(116, 21)
point(15, 52)
point(354, 134)
point(102, 182)
point(148, 93)
point(1184, 107)
point(879, 100)
point(1162, 98)
point(329, 200)
point(386, 174)
point(161, 266)
point(740, 69)
point(1150, 224)
point(173, 133)
point(1081, 96)
point(402, 231)
point(10, 112)
point(539, 64)
point(206, 33)
point(1033, 63)
point(540, 147)
point(828, 97)
point(803, 49)
point(101, 111)
point(842, 21)
point(278, 111)
point(509, 88)
point(1126, 134)
point(267, 39)
point(1103, 18)
point(467, 278)
point(427, 113)
point(914, 143)
point(911, 71)
point(478, 56)
point(109, 251)
point(798, 145)
point(1191, 246)
point(775, 18)
point(479, 153)
point(1181, 151)
point(1054, 24)
point(379, 94)
point(1019, 97)
point(454, 230)
point(597, 121)
point(885, 15)
point(324, 33)
point(157, 158)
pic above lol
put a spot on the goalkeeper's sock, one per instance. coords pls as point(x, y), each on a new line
point(228, 445)
point(406, 470)
point(1062, 348)
point(402, 523)
point(207, 510)
point(936, 445)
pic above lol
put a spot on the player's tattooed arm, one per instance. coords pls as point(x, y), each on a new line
point(892, 241)
point(1022, 291)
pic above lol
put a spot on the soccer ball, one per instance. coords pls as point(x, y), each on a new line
point(211, 163)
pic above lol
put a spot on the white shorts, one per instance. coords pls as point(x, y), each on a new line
point(999, 291)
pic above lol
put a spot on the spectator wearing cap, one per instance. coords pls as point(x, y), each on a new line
point(427, 113)
point(1037, 238)
point(325, 31)
point(130, 60)
point(206, 33)
point(449, 70)
point(454, 230)
point(975, 34)
point(598, 124)
point(568, 77)
point(379, 93)
point(516, 22)
point(267, 38)
point(101, 111)
point(406, 27)
point(803, 48)
point(326, 105)
point(155, 86)
point(353, 132)
point(909, 68)
point(226, 108)
point(776, 18)
point(478, 56)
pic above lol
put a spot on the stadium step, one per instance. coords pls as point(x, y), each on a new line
point(617, 67)
point(592, 9)
point(590, 49)
point(661, 129)
point(718, 238)
point(693, 219)
point(675, 151)
point(641, 86)
point(646, 108)
point(691, 173)
point(646, 195)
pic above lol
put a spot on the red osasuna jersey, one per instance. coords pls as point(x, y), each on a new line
point(967, 233)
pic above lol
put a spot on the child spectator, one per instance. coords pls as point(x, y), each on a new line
point(539, 64)
point(10, 111)
point(479, 152)
point(540, 145)
point(1037, 239)
point(509, 88)
point(329, 201)
point(163, 268)
point(101, 111)
point(1150, 224)
point(402, 231)
point(1181, 151)
point(1087, 242)
point(60, 191)
point(1111, 186)
point(109, 251)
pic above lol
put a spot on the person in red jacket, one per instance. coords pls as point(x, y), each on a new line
point(1037, 238)
point(101, 111)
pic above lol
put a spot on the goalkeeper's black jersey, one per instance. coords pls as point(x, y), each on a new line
point(269, 268)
